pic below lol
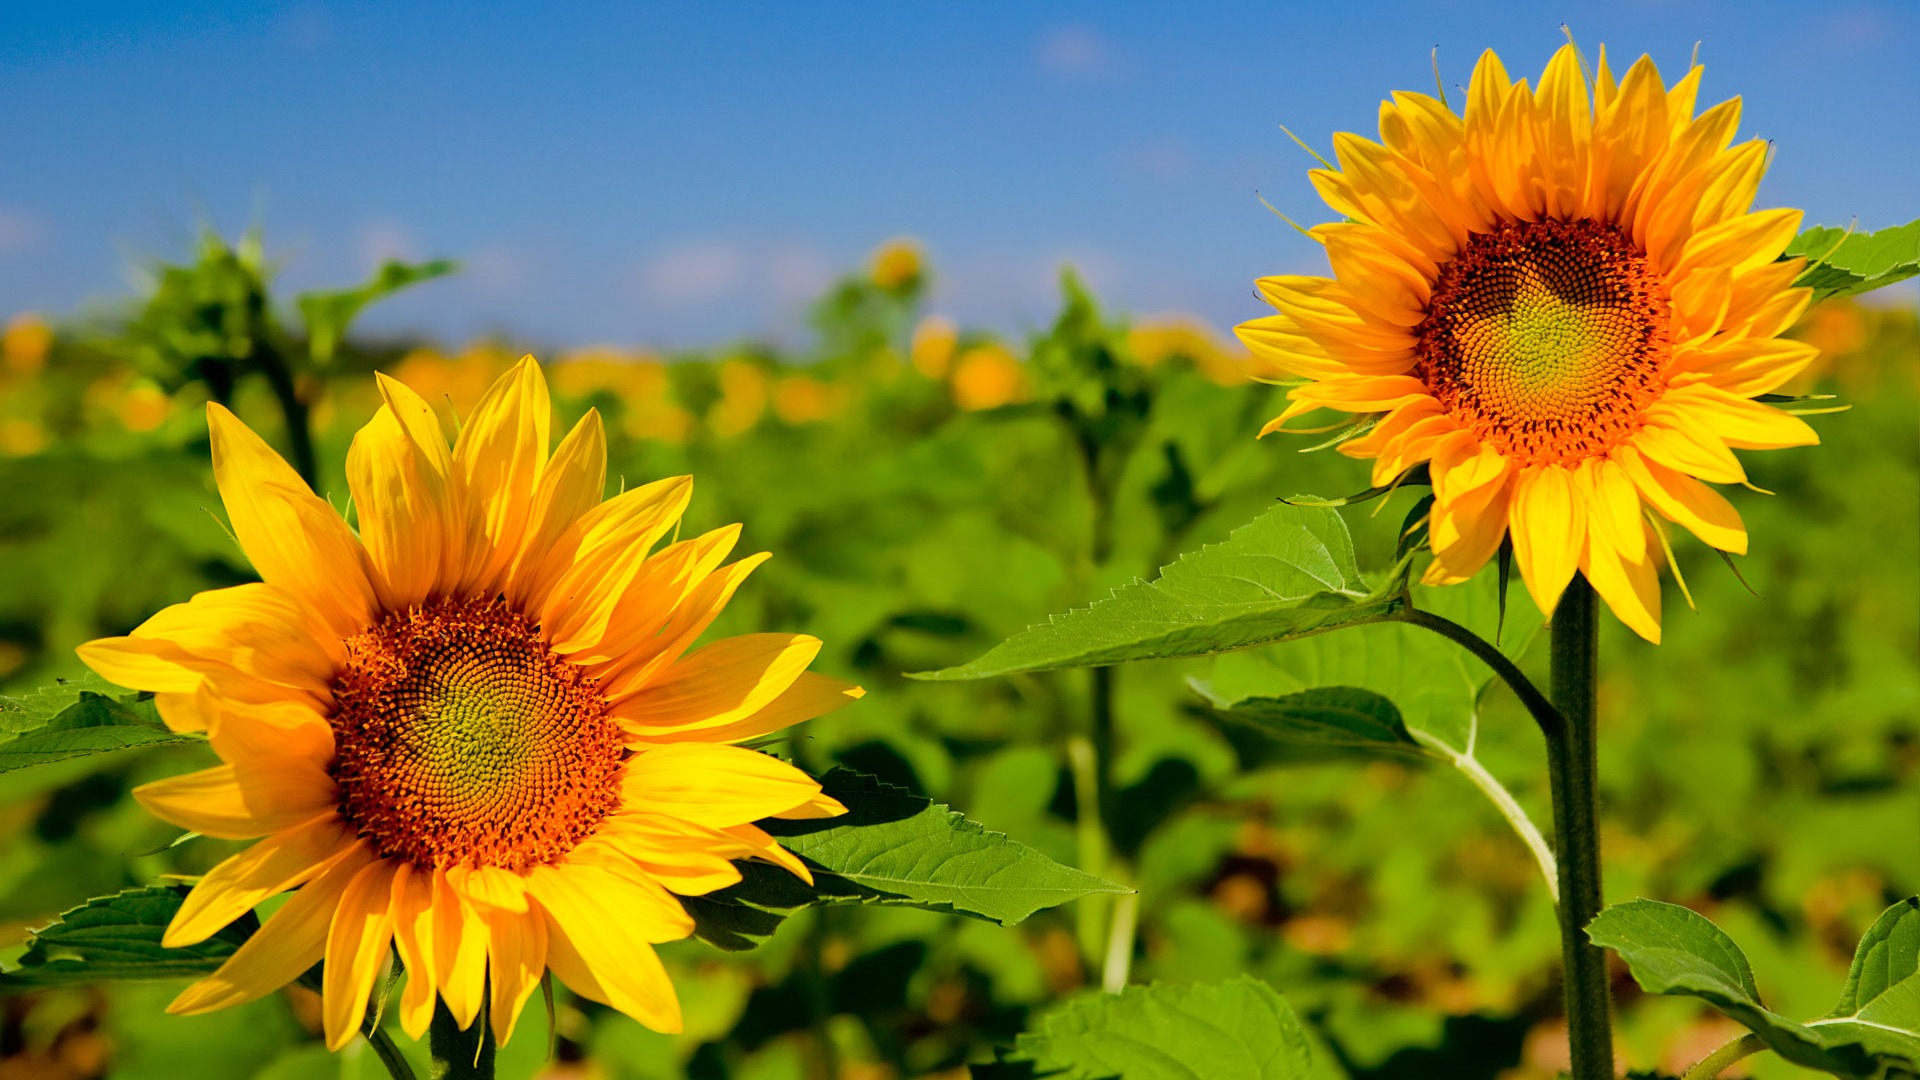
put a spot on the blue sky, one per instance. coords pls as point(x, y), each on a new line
point(673, 174)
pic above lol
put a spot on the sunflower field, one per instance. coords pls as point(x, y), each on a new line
point(1070, 730)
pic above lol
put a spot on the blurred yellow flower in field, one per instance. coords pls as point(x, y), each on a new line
point(20, 437)
point(803, 399)
point(743, 398)
point(987, 377)
point(144, 406)
point(933, 344)
point(25, 344)
point(1155, 341)
point(475, 733)
point(897, 265)
point(1561, 303)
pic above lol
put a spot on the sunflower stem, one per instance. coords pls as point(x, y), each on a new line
point(457, 1054)
point(1573, 767)
point(389, 1054)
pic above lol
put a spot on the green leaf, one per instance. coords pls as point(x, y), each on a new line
point(1238, 1030)
point(118, 937)
point(68, 721)
point(1325, 717)
point(1288, 574)
point(891, 847)
point(1433, 684)
point(1672, 950)
point(329, 313)
point(1844, 264)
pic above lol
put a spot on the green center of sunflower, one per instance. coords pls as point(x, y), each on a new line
point(1548, 339)
point(462, 739)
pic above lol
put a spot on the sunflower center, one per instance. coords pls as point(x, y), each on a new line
point(461, 738)
point(1548, 339)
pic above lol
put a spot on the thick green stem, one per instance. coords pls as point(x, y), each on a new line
point(457, 1054)
point(294, 409)
point(1573, 766)
point(1713, 1064)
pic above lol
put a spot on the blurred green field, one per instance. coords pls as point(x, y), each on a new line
point(928, 490)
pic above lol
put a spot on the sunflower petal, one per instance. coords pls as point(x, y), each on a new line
point(292, 538)
point(285, 946)
point(278, 863)
point(356, 951)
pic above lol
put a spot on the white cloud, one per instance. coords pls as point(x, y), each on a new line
point(1166, 160)
point(20, 231)
point(696, 273)
point(376, 241)
point(1075, 52)
point(797, 275)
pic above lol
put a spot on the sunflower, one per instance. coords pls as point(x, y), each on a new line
point(474, 732)
point(1561, 303)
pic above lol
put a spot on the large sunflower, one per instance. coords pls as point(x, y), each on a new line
point(1562, 304)
point(475, 731)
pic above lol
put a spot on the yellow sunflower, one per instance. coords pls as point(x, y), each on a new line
point(1562, 304)
point(475, 731)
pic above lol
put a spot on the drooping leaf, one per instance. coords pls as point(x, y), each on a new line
point(1335, 718)
point(1288, 574)
point(74, 720)
point(891, 847)
point(1843, 264)
point(1433, 684)
point(118, 937)
point(1238, 1030)
point(1672, 950)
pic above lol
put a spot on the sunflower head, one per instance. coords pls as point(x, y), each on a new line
point(475, 732)
point(1562, 302)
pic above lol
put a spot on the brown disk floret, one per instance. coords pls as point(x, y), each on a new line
point(462, 739)
point(1548, 339)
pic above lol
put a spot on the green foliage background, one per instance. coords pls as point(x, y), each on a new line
point(927, 494)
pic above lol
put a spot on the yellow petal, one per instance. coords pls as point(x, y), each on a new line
point(292, 538)
point(1740, 423)
point(517, 957)
point(411, 508)
point(273, 865)
point(716, 786)
point(459, 951)
point(617, 965)
point(1671, 438)
point(1613, 507)
point(1631, 587)
point(235, 804)
point(719, 684)
point(689, 620)
point(570, 485)
point(666, 579)
point(285, 946)
point(499, 458)
point(1567, 132)
point(357, 945)
point(413, 939)
point(1548, 526)
point(615, 538)
point(1685, 501)
point(688, 859)
point(811, 695)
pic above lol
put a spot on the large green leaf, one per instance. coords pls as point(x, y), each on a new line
point(118, 937)
point(74, 720)
point(1288, 574)
point(1841, 263)
point(1672, 950)
point(891, 847)
point(1238, 1030)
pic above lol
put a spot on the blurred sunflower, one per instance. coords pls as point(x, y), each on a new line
point(1562, 303)
point(474, 731)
